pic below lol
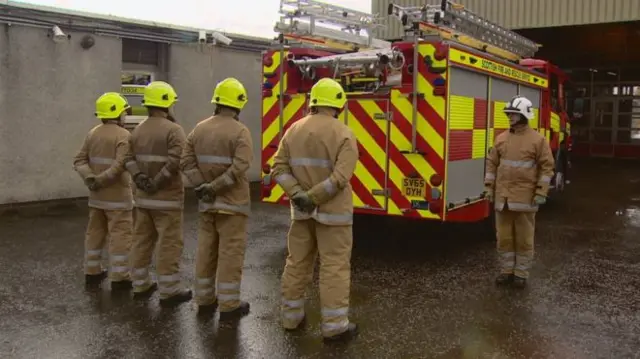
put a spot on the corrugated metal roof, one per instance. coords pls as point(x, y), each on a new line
point(521, 14)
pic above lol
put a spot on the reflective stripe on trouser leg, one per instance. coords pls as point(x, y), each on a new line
point(298, 270)
point(206, 259)
point(168, 223)
point(334, 245)
point(94, 241)
point(524, 233)
point(506, 240)
point(120, 229)
point(144, 239)
point(232, 231)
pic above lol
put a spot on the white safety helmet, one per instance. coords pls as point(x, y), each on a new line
point(521, 105)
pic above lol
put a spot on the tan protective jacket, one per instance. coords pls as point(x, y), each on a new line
point(219, 150)
point(155, 148)
point(103, 155)
point(318, 154)
point(519, 167)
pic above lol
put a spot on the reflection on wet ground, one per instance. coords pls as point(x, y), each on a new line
point(418, 290)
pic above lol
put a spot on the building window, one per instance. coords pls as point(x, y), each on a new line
point(140, 52)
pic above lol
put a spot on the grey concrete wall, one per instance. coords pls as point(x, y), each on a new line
point(194, 71)
point(47, 98)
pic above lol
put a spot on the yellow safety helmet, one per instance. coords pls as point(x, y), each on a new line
point(159, 94)
point(327, 92)
point(111, 105)
point(230, 92)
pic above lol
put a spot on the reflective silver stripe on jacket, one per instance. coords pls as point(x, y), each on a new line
point(545, 179)
point(219, 205)
point(324, 218)
point(157, 204)
point(110, 205)
point(281, 178)
point(515, 206)
point(518, 164)
point(313, 162)
point(215, 159)
point(489, 176)
point(101, 160)
point(151, 158)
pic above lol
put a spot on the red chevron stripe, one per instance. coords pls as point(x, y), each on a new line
point(363, 192)
point(406, 127)
point(394, 154)
point(396, 194)
point(271, 148)
point(273, 113)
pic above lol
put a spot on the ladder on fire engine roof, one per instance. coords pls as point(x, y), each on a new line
point(453, 22)
point(302, 21)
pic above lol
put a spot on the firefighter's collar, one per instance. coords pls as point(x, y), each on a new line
point(519, 128)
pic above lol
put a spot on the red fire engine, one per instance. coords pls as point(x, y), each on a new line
point(425, 110)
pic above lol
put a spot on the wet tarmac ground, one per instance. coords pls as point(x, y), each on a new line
point(418, 290)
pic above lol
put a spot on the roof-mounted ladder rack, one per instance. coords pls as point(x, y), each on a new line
point(453, 22)
point(302, 21)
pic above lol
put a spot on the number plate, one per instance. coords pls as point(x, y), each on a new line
point(414, 187)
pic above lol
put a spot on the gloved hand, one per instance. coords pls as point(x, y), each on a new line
point(205, 192)
point(143, 183)
point(489, 195)
point(303, 202)
point(538, 199)
point(91, 183)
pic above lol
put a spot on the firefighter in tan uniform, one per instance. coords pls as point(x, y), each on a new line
point(101, 164)
point(154, 159)
point(314, 164)
point(519, 169)
point(216, 158)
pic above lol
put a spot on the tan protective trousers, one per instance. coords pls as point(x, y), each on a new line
point(116, 227)
point(515, 231)
point(222, 239)
point(161, 229)
point(306, 239)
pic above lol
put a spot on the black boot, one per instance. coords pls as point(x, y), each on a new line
point(349, 334)
point(94, 279)
point(181, 297)
point(147, 293)
point(519, 282)
point(207, 309)
point(121, 285)
point(239, 312)
point(504, 279)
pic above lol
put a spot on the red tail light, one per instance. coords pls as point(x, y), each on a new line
point(266, 169)
point(435, 206)
point(435, 180)
point(267, 61)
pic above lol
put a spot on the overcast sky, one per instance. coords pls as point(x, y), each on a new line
point(250, 17)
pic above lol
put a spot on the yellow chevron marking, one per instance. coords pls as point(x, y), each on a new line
point(400, 141)
point(424, 129)
point(378, 155)
point(297, 101)
point(268, 102)
point(437, 102)
point(461, 112)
